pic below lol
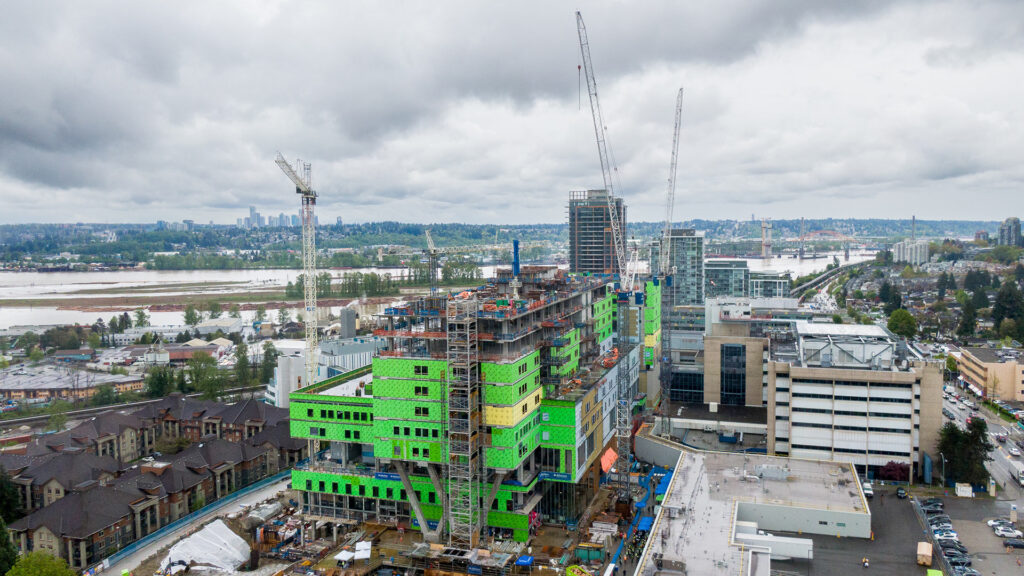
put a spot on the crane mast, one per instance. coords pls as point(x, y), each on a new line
point(670, 199)
point(666, 270)
point(303, 186)
point(618, 237)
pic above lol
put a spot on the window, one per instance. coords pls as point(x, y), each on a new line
point(323, 413)
point(422, 411)
point(524, 408)
point(375, 491)
point(431, 498)
point(396, 431)
point(415, 451)
point(314, 431)
point(348, 434)
point(356, 435)
point(398, 452)
point(421, 390)
point(389, 493)
point(334, 487)
point(734, 374)
point(309, 412)
point(426, 453)
point(419, 370)
point(405, 431)
point(401, 495)
point(362, 490)
point(435, 433)
point(536, 399)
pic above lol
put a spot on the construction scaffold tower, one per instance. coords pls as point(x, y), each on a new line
point(464, 417)
point(304, 186)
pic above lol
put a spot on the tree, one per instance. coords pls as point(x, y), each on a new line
point(1008, 328)
point(104, 396)
point(94, 340)
point(39, 563)
point(181, 383)
point(837, 318)
point(57, 422)
point(979, 299)
point(1018, 272)
point(202, 372)
point(903, 323)
point(968, 321)
point(282, 316)
point(243, 370)
point(966, 451)
point(27, 340)
point(269, 362)
point(192, 317)
point(941, 285)
point(1009, 303)
point(235, 311)
point(36, 355)
point(10, 498)
point(159, 382)
point(141, 318)
point(885, 292)
point(261, 313)
point(8, 553)
point(214, 309)
point(951, 364)
point(896, 471)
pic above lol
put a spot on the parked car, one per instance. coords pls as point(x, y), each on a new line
point(901, 492)
point(941, 526)
point(1013, 451)
point(959, 561)
point(1013, 543)
point(999, 521)
point(955, 545)
point(930, 501)
point(965, 571)
point(869, 492)
point(949, 537)
point(932, 510)
point(1007, 532)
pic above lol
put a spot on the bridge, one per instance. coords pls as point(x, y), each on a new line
point(820, 280)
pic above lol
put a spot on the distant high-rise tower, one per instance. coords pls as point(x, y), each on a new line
point(913, 227)
point(1009, 232)
point(590, 232)
point(686, 253)
point(766, 238)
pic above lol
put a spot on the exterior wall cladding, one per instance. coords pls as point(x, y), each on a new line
point(590, 232)
point(545, 422)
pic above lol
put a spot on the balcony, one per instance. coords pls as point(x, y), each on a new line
point(333, 467)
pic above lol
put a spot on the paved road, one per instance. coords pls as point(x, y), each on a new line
point(132, 562)
point(999, 467)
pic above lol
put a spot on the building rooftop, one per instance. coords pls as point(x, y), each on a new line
point(995, 355)
point(50, 377)
point(694, 531)
point(854, 330)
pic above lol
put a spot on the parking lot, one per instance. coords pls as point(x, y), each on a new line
point(987, 552)
point(893, 551)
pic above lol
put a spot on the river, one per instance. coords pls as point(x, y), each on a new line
point(61, 285)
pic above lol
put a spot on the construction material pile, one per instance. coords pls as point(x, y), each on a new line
point(215, 546)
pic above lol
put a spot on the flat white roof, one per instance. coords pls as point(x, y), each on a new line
point(349, 387)
point(823, 329)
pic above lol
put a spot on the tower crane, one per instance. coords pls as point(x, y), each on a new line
point(618, 234)
point(666, 270)
point(304, 187)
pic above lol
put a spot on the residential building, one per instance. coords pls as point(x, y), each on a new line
point(118, 435)
point(1009, 232)
point(591, 247)
point(994, 373)
point(224, 324)
point(504, 406)
point(913, 252)
point(726, 277)
point(44, 479)
point(98, 519)
point(770, 284)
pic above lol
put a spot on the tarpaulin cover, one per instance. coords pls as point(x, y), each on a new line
point(344, 555)
point(645, 524)
point(608, 460)
point(662, 486)
point(215, 545)
point(524, 561)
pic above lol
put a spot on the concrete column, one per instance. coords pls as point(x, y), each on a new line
point(71, 554)
point(138, 525)
point(335, 524)
point(429, 535)
point(23, 537)
point(216, 485)
point(81, 550)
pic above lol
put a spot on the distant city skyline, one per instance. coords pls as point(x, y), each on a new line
point(446, 112)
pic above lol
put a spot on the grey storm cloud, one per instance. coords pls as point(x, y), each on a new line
point(469, 111)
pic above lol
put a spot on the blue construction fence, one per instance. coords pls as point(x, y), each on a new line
point(163, 531)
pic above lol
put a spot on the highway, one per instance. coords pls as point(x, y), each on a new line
point(999, 467)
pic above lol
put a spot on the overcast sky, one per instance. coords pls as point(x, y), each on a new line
point(474, 112)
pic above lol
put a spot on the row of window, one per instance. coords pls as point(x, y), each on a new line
point(416, 432)
point(853, 428)
point(851, 398)
point(341, 415)
point(901, 385)
point(846, 450)
point(847, 412)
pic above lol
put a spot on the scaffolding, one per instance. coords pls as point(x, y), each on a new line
point(464, 416)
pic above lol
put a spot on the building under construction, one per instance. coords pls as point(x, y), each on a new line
point(591, 247)
point(489, 412)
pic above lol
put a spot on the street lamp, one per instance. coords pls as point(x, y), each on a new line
point(943, 469)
